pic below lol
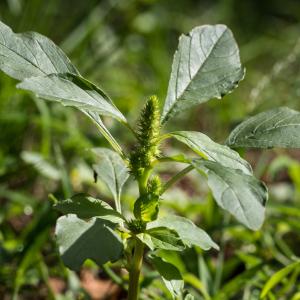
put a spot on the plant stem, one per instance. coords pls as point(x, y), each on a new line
point(176, 177)
point(135, 270)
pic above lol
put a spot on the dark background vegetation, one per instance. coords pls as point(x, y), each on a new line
point(126, 47)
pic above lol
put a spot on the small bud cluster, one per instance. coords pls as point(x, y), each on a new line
point(154, 186)
point(147, 150)
point(136, 226)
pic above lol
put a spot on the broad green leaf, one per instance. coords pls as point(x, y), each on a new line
point(79, 240)
point(111, 169)
point(86, 207)
point(277, 278)
point(242, 195)
point(30, 54)
point(170, 275)
point(279, 127)
point(205, 66)
point(208, 149)
point(161, 238)
point(72, 90)
point(146, 207)
point(189, 233)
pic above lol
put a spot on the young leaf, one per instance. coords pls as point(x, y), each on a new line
point(242, 195)
point(72, 90)
point(170, 275)
point(79, 240)
point(208, 149)
point(111, 169)
point(277, 278)
point(161, 238)
point(279, 127)
point(30, 54)
point(205, 66)
point(146, 207)
point(86, 207)
point(189, 233)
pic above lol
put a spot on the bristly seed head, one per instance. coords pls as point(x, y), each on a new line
point(154, 186)
point(136, 226)
point(147, 150)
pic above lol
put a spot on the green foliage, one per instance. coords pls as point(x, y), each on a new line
point(72, 90)
point(240, 194)
point(209, 150)
point(86, 207)
point(189, 233)
point(78, 240)
point(206, 65)
point(277, 127)
point(170, 275)
point(278, 277)
point(31, 55)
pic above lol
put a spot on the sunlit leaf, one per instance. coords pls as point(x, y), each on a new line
point(161, 238)
point(170, 275)
point(79, 240)
point(30, 54)
point(278, 277)
point(189, 233)
point(72, 90)
point(146, 207)
point(279, 127)
point(111, 169)
point(242, 195)
point(86, 207)
point(208, 149)
point(205, 66)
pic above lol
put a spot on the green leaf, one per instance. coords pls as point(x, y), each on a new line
point(146, 207)
point(277, 278)
point(279, 127)
point(205, 66)
point(242, 195)
point(72, 90)
point(111, 169)
point(161, 238)
point(170, 275)
point(209, 150)
point(30, 54)
point(86, 207)
point(189, 233)
point(79, 240)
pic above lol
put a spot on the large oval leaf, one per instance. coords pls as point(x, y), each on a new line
point(208, 149)
point(242, 195)
point(189, 233)
point(79, 240)
point(279, 127)
point(30, 54)
point(72, 90)
point(205, 66)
